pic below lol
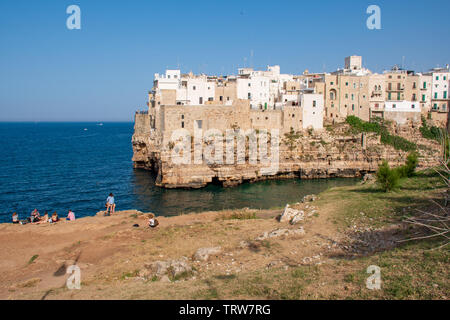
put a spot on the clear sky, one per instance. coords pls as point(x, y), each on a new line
point(103, 71)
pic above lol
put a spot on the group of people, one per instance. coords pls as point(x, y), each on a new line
point(36, 218)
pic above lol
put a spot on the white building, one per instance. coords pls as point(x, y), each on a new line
point(170, 80)
point(440, 87)
point(402, 106)
point(313, 106)
point(402, 111)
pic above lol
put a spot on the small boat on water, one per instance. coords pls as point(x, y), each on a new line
point(85, 129)
point(100, 124)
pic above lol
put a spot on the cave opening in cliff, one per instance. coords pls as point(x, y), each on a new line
point(216, 182)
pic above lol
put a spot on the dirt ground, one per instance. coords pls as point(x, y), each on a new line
point(111, 253)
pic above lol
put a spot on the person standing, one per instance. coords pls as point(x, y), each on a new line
point(110, 205)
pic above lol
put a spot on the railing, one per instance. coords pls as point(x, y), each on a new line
point(142, 112)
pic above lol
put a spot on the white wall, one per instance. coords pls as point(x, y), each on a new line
point(312, 104)
point(402, 106)
point(170, 80)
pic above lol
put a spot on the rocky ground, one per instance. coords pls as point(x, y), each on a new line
point(319, 247)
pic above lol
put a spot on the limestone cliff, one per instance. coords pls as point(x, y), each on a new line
point(334, 152)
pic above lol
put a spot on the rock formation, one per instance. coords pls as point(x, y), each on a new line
point(331, 153)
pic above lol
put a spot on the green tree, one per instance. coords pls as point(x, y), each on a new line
point(387, 178)
point(411, 164)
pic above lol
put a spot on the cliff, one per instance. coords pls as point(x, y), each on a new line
point(334, 152)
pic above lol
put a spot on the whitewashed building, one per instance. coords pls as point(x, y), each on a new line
point(312, 105)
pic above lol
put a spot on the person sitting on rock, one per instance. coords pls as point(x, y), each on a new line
point(70, 216)
point(43, 219)
point(54, 218)
point(15, 218)
point(35, 216)
point(153, 222)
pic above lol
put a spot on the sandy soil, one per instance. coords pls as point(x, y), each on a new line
point(110, 252)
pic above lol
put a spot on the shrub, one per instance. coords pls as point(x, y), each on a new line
point(363, 126)
point(378, 127)
point(411, 164)
point(432, 133)
point(387, 178)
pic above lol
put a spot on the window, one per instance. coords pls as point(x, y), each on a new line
point(346, 84)
point(445, 78)
point(346, 96)
point(182, 116)
point(445, 94)
point(198, 124)
point(193, 88)
point(413, 106)
point(249, 84)
point(414, 85)
point(435, 95)
point(398, 96)
point(424, 85)
point(353, 107)
point(353, 96)
point(200, 100)
point(437, 77)
point(210, 99)
point(389, 96)
point(221, 98)
point(314, 103)
point(182, 124)
point(331, 83)
point(249, 95)
point(394, 106)
point(423, 98)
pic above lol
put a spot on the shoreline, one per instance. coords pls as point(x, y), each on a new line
point(297, 179)
point(251, 250)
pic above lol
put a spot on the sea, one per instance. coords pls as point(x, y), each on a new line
point(62, 166)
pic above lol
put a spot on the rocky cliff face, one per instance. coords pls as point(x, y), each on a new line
point(307, 155)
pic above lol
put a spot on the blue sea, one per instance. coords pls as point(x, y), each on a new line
point(62, 166)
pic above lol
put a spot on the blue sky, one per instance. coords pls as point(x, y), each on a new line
point(103, 71)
